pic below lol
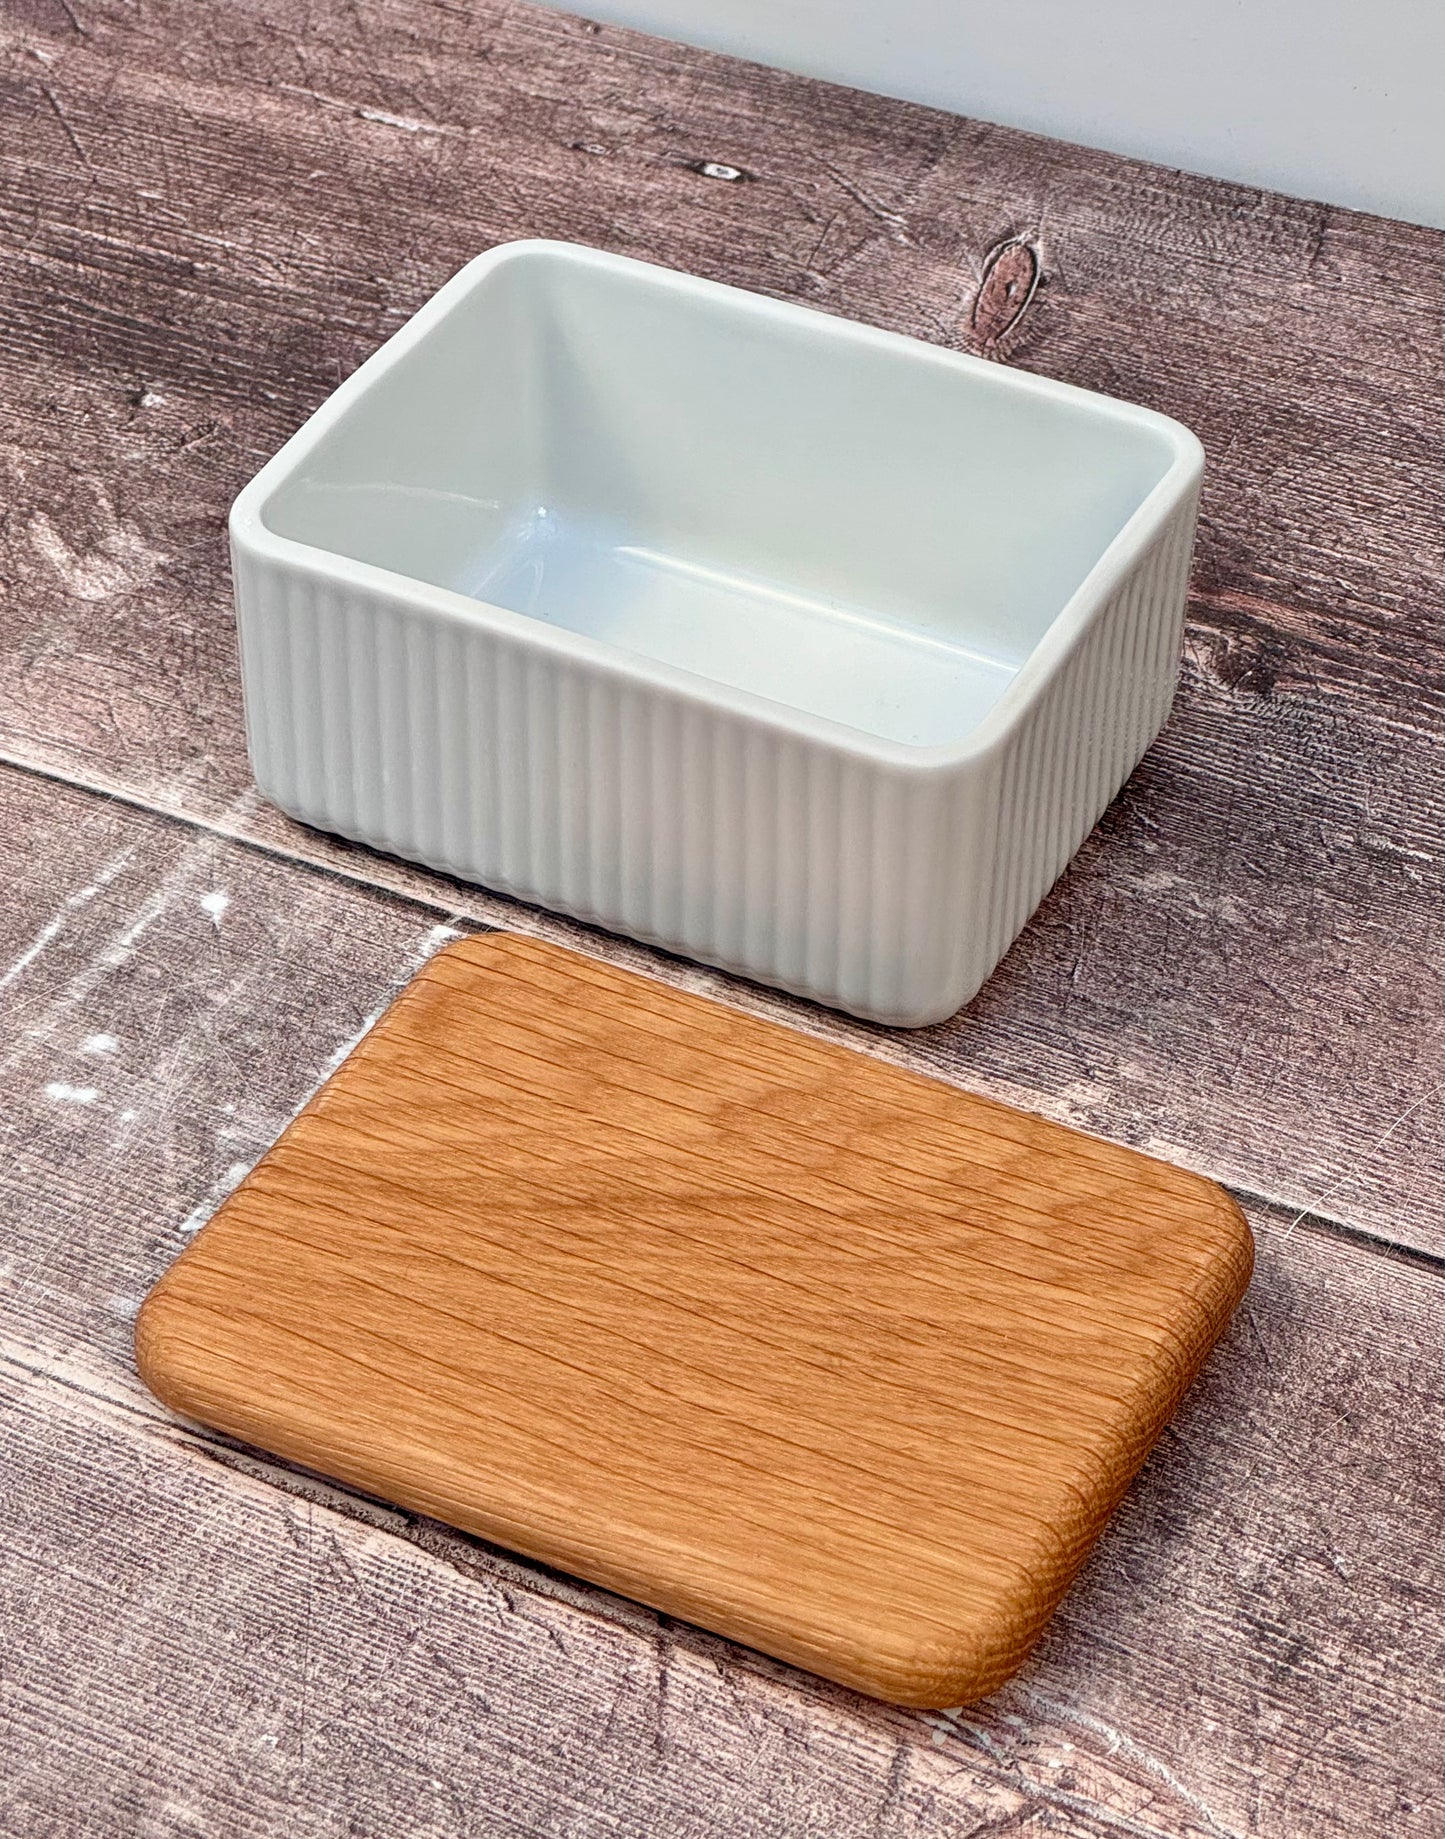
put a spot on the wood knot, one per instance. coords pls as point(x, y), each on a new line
point(1251, 666)
point(1012, 272)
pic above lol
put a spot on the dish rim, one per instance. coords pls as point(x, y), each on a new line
point(251, 535)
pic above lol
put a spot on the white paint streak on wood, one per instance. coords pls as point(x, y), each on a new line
point(56, 923)
point(64, 1094)
point(121, 947)
point(430, 945)
point(120, 563)
point(214, 1195)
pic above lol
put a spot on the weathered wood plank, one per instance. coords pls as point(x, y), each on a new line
point(207, 1653)
point(1252, 1649)
point(207, 219)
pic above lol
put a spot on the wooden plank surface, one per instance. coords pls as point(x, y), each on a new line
point(209, 215)
point(199, 1641)
point(208, 219)
point(842, 1362)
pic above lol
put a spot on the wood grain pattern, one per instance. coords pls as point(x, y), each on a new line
point(197, 1640)
point(824, 1356)
point(1237, 973)
point(207, 216)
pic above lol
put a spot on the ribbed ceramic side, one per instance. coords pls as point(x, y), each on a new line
point(885, 891)
point(1084, 736)
point(689, 826)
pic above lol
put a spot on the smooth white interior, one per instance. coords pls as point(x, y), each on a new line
point(859, 529)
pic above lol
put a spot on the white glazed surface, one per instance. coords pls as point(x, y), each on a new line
point(798, 647)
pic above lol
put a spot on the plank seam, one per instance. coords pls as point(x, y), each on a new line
point(1416, 1256)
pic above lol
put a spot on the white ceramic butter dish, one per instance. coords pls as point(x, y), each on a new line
point(801, 648)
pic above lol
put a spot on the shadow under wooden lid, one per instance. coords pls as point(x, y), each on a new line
point(828, 1357)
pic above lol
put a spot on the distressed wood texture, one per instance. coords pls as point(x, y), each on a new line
point(201, 1641)
point(842, 1362)
point(207, 216)
point(210, 215)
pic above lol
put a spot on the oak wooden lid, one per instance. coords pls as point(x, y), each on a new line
point(833, 1359)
